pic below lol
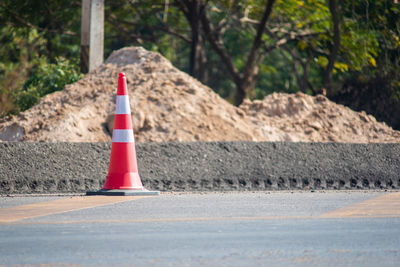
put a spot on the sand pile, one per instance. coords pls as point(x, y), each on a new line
point(169, 105)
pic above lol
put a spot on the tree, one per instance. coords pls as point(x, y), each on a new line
point(235, 32)
point(34, 34)
point(193, 11)
point(58, 22)
point(241, 49)
point(244, 80)
point(371, 48)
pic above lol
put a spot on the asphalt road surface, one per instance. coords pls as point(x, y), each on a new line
point(211, 229)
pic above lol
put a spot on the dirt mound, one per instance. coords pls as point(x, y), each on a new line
point(169, 105)
point(300, 117)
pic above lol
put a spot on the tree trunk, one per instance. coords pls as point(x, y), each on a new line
point(201, 58)
point(195, 27)
point(193, 10)
point(335, 46)
point(198, 59)
point(245, 85)
point(248, 80)
point(241, 94)
point(304, 80)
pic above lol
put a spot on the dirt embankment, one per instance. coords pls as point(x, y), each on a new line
point(169, 105)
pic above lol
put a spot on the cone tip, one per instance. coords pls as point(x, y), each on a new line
point(121, 74)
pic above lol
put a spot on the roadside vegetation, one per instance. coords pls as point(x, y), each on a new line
point(347, 50)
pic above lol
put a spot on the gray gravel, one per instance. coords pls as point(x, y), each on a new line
point(203, 166)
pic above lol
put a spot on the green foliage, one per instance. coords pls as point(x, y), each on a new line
point(19, 47)
point(37, 36)
point(46, 78)
point(33, 33)
point(373, 55)
point(359, 47)
point(369, 40)
point(147, 24)
point(275, 75)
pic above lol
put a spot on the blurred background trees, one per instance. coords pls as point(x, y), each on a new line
point(347, 50)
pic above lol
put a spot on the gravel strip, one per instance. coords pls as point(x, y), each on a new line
point(203, 166)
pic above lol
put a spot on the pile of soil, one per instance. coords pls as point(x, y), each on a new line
point(169, 105)
point(300, 117)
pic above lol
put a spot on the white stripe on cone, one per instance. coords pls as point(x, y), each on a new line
point(123, 105)
point(123, 136)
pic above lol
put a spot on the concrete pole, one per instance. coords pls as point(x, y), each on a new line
point(92, 34)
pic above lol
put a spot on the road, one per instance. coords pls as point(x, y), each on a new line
point(211, 229)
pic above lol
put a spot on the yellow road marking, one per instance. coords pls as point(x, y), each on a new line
point(18, 213)
point(167, 220)
point(385, 206)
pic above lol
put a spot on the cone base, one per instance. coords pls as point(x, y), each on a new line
point(119, 192)
point(123, 181)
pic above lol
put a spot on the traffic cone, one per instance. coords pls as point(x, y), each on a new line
point(123, 176)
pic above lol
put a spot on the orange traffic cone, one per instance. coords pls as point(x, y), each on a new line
point(123, 176)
